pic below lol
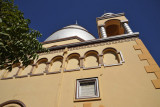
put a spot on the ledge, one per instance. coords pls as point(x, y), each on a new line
point(123, 36)
point(112, 65)
point(56, 72)
point(22, 76)
point(91, 67)
point(87, 99)
point(70, 70)
point(36, 74)
point(6, 78)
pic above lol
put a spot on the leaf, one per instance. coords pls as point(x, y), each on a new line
point(18, 42)
point(0, 20)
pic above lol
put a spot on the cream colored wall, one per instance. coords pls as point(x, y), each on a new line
point(126, 85)
point(61, 43)
point(72, 63)
point(56, 65)
point(26, 70)
point(109, 58)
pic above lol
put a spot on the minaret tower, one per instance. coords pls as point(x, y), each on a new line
point(110, 24)
point(115, 26)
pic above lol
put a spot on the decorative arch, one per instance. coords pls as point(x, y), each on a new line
point(73, 61)
point(110, 56)
point(56, 64)
point(20, 103)
point(40, 66)
point(26, 70)
point(91, 59)
point(13, 72)
point(113, 27)
point(42, 60)
point(110, 48)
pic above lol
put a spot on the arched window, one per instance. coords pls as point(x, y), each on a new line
point(113, 27)
point(56, 64)
point(14, 71)
point(2, 72)
point(40, 66)
point(13, 103)
point(26, 70)
point(91, 59)
point(110, 57)
point(73, 61)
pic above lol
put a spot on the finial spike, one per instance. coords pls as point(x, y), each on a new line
point(76, 22)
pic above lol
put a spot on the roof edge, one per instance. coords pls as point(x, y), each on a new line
point(136, 34)
point(63, 39)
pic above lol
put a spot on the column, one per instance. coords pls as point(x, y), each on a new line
point(103, 32)
point(101, 59)
point(81, 62)
point(127, 28)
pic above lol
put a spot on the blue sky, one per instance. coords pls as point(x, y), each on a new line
point(47, 16)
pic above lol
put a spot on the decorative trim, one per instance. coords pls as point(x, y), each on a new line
point(88, 99)
point(20, 103)
point(93, 43)
point(69, 70)
point(101, 60)
point(112, 65)
point(63, 39)
point(111, 16)
point(118, 37)
point(86, 68)
point(36, 74)
point(6, 78)
point(95, 80)
point(52, 52)
point(152, 67)
point(122, 58)
point(56, 72)
point(22, 76)
point(102, 44)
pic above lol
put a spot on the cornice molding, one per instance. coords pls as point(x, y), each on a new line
point(118, 37)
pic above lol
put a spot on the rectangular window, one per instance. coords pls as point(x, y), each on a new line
point(87, 88)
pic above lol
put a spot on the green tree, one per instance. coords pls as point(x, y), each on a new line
point(18, 43)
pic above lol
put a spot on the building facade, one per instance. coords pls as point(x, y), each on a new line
point(115, 70)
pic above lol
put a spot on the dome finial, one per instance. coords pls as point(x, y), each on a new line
point(76, 22)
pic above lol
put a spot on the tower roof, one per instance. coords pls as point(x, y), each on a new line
point(70, 31)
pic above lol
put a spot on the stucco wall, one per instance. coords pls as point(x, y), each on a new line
point(124, 85)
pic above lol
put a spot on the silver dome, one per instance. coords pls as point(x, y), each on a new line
point(70, 31)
